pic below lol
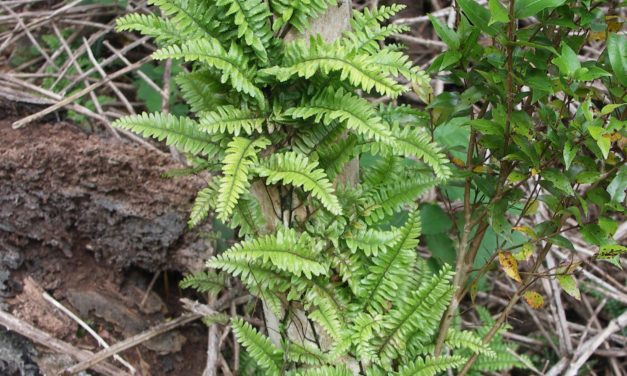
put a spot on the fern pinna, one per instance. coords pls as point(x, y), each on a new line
point(330, 253)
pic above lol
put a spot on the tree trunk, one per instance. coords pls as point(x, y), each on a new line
point(330, 26)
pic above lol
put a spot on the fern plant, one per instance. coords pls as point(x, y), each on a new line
point(334, 256)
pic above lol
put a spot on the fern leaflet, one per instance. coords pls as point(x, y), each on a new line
point(241, 153)
point(258, 346)
point(294, 168)
point(181, 132)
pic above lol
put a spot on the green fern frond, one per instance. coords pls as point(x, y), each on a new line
point(378, 14)
point(328, 312)
point(260, 278)
point(390, 269)
point(333, 157)
point(294, 168)
point(313, 138)
point(286, 250)
point(204, 202)
point(402, 115)
point(416, 143)
point(304, 353)
point(248, 217)
point(383, 170)
point(323, 371)
point(366, 30)
point(356, 112)
point(252, 20)
point(240, 155)
point(395, 63)
point(362, 331)
point(204, 282)
point(228, 119)
point(371, 241)
point(366, 40)
point(390, 198)
point(192, 18)
point(181, 132)
point(202, 90)
point(162, 30)
point(420, 311)
point(258, 346)
point(431, 366)
point(298, 12)
point(468, 340)
point(233, 64)
point(500, 362)
point(304, 60)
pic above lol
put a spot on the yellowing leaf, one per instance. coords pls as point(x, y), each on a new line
point(509, 265)
point(527, 230)
point(609, 251)
point(480, 169)
point(532, 208)
point(534, 299)
point(534, 172)
point(569, 285)
point(525, 253)
point(516, 177)
point(474, 289)
point(458, 162)
point(613, 26)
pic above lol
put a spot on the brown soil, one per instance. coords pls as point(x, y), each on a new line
point(89, 219)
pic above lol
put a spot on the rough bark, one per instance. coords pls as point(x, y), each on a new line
point(330, 26)
point(68, 190)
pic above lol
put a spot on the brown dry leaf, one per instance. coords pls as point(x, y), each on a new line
point(509, 265)
point(534, 299)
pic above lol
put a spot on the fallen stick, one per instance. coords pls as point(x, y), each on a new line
point(22, 122)
point(87, 328)
point(131, 342)
point(148, 334)
point(586, 349)
point(27, 330)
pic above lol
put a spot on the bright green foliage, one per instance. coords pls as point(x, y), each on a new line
point(253, 27)
point(181, 132)
point(501, 354)
point(232, 64)
point(294, 168)
point(305, 59)
point(205, 200)
point(204, 282)
point(324, 371)
point(286, 251)
point(298, 13)
point(228, 119)
point(390, 269)
point(240, 155)
point(162, 30)
point(354, 111)
point(258, 347)
point(202, 90)
point(279, 127)
point(430, 366)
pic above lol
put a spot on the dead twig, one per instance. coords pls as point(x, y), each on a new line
point(131, 342)
point(87, 328)
point(22, 122)
point(27, 330)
